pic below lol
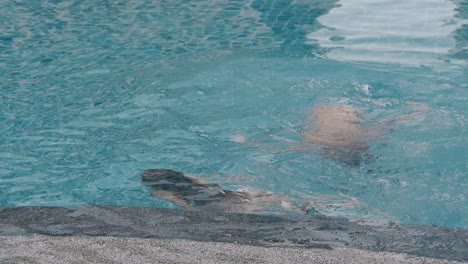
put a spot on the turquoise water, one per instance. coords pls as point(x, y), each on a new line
point(95, 92)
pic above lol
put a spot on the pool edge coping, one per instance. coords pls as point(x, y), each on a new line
point(300, 231)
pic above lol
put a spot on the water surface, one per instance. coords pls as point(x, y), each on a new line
point(93, 93)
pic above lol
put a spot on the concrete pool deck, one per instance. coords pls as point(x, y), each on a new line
point(48, 249)
point(113, 234)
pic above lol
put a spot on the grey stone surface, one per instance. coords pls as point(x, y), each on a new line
point(50, 250)
point(300, 231)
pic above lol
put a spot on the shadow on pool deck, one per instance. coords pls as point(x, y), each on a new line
point(317, 232)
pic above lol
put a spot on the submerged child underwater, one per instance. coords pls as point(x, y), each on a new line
point(340, 132)
point(191, 192)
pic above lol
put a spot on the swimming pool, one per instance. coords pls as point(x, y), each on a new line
point(94, 93)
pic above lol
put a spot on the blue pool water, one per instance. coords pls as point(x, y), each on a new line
point(94, 92)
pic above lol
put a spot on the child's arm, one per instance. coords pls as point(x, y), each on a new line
point(292, 146)
point(419, 109)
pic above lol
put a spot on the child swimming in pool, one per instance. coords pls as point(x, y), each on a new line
point(192, 192)
point(342, 134)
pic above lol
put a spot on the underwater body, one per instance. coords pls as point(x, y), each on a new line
point(93, 94)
